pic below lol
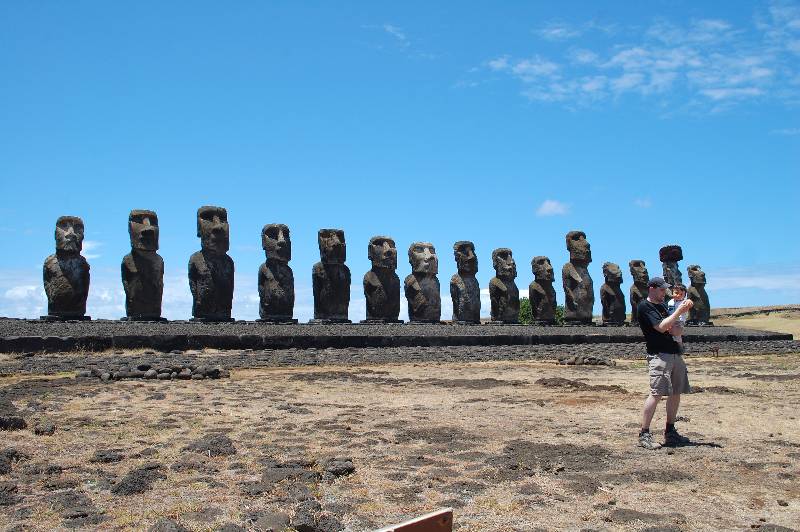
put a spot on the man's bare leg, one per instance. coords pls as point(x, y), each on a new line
point(673, 402)
point(650, 405)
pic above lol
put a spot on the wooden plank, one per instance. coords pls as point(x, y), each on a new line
point(438, 521)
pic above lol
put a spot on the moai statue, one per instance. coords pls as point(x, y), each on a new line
point(211, 269)
point(464, 289)
point(143, 269)
point(331, 279)
point(700, 313)
point(578, 287)
point(422, 286)
point(66, 274)
point(541, 293)
point(638, 288)
point(503, 291)
point(275, 277)
point(611, 296)
point(381, 283)
point(669, 256)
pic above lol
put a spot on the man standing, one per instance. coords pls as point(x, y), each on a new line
point(668, 375)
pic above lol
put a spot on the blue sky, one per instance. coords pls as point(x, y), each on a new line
point(641, 124)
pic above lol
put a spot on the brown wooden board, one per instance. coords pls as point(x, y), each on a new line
point(438, 521)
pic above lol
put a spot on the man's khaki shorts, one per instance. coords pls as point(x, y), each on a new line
point(668, 374)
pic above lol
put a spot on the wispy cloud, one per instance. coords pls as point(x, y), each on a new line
point(644, 203)
point(398, 34)
point(706, 63)
point(551, 207)
point(789, 131)
point(89, 246)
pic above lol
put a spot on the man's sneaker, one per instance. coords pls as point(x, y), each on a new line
point(673, 438)
point(646, 441)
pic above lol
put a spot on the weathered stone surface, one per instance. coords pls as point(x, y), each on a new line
point(503, 291)
point(44, 428)
point(578, 286)
point(670, 256)
point(422, 286)
point(611, 296)
point(143, 268)
point(464, 289)
point(700, 313)
point(638, 288)
point(331, 279)
point(212, 445)
point(381, 283)
point(275, 277)
point(139, 480)
point(66, 273)
point(211, 269)
point(541, 293)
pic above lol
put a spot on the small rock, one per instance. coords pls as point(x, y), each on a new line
point(163, 376)
point(198, 376)
point(212, 445)
point(150, 374)
point(781, 502)
point(338, 467)
point(144, 367)
point(185, 374)
point(9, 421)
point(8, 492)
point(271, 522)
point(44, 428)
point(105, 377)
point(107, 456)
point(139, 480)
point(83, 374)
point(329, 523)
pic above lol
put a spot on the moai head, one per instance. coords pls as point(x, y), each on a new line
point(639, 272)
point(504, 265)
point(276, 242)
point(382, 252)
point(578, 247)
point(542, 270)
point(423, 259)
point(696, 275)
point(332, 247)
point(213, 229)
point(612, 273)
point(466, 260)
point(671, 253)
point(143, 230)
point(69, 234)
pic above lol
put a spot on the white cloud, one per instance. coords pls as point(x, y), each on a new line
point(552, 208)
point(23, 292)
point(707, 62)
point(557, 32)
point(88, 246)
point(397, 33)
point(644, 203)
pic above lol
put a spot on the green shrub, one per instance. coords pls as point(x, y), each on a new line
point(526, 316)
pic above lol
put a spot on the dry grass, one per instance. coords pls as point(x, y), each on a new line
point(785, 322)
point(425, 436)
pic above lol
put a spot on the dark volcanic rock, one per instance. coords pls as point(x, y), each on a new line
point(422, 286)
point(107, 456)
point(8, 456)
point(271, 522)
point(578, 286)
point(8, 492)
point(44, 428)
point(139, 480)
point(143, 268)
point(212, 445)
point(331, 278)
point(464, 289)
point(381, 283)
point(211, 269)
point(275, 276)
point(503, 291)
point(66, 273)
point(339, 467)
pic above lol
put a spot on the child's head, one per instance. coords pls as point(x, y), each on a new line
point(678, 291)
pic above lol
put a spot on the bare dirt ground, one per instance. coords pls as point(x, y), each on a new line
point(510, 446)
point(787, 321)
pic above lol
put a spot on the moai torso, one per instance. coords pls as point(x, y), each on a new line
point(143, 268)
point(578, 287)
point(66, 273)
point(464, 289)
point(503, 291)
point(381, 283)
point(331, 278)
point(700, 313)
point(541, 293)
point(611, 296)
point(275, 277)
point(638, 290)
point(422, 286)
point(211, 269)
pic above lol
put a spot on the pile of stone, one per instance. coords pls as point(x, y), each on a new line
point(585, 360)
point(161, 372)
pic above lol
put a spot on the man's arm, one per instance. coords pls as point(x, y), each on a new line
point(667, 323)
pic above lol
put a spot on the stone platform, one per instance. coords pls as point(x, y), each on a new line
point(28, 336)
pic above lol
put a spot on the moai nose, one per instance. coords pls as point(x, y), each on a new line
point(146, 222)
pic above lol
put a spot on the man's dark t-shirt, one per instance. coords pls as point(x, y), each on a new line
point(650, 315)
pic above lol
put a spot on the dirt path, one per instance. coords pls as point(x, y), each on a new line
point(509, 445)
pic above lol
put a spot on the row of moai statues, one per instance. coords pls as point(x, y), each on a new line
point(211, 278)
